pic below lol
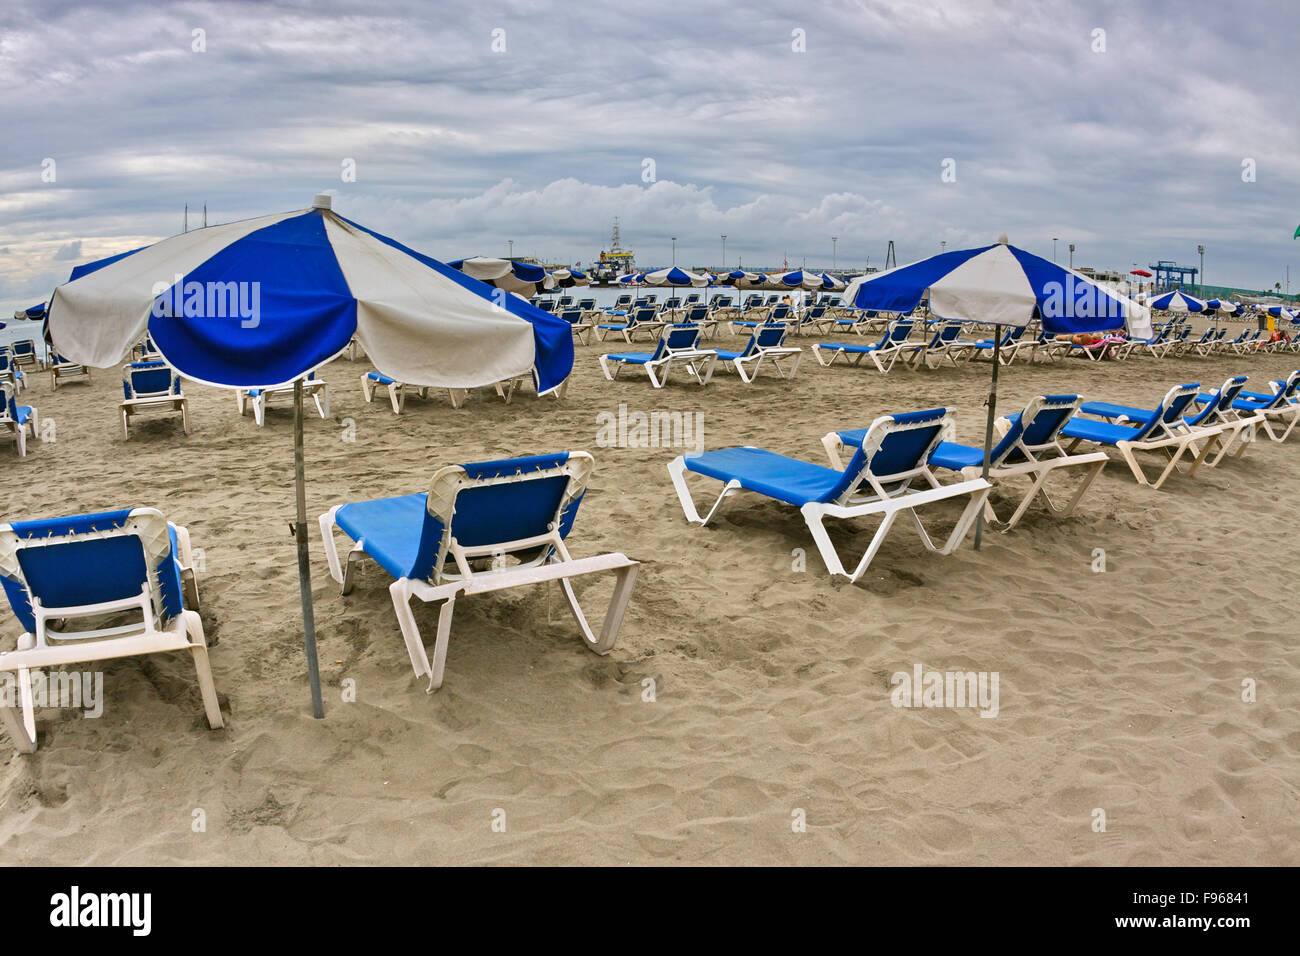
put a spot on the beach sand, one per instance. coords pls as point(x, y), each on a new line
point(1119, 691)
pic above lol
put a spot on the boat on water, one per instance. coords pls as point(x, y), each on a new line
point(612, 262)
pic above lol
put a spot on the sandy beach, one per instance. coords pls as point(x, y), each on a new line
point(1120, 690)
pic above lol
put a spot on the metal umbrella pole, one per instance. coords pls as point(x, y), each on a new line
point(988, 425)
point(304, 564)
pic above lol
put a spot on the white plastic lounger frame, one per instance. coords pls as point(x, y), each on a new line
point(314, 388)
point(890, 496)
point(669, 351)
point(150, 635)
point(767, 343)
point(554, 563)
point(170, 399)
point(1040, 462)
point(1175, 443)
point(62, 368)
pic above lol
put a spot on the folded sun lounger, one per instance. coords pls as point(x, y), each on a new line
point(877, 481)
point(482, 527)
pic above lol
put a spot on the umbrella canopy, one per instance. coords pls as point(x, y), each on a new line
point(34, 313)
point(1222, 307)
point(798, 279)
point(676, 277)
point(1139, 272)
point(518, 277)
point(832, 283)
point(1177, 302)
point(631, 279)
point(265, 301)
point(1002, 285)
point(1279, 312)
point(568, 278)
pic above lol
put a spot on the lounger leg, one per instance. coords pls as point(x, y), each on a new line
point(199, 649)
point(28, 703)
point(401, 593)
point(126, 435)
point(457, 396)
point(331, 549)
point(185, 415)
point(322, 394)
point(677, 470)
point(15, 722)
point(814, 517)
point(397, 397)
point(367, 388)
point(624, 580)
point(960, 530)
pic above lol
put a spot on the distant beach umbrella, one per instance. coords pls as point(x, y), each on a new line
point(520, 277)
point(832, 283)
point(1002, 285)
point(798, 279)
point(568, 278)
point(1177, 301)
point(676, 277)
point(264, 302)
point(1222, 307)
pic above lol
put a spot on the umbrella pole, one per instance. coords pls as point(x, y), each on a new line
point(304, 565)
point(988, 425)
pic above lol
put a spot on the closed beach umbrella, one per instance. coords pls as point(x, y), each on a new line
point(1177, 301)
point(568, 278)
point(1002, 285)
point(518, 277)
point(265, 301)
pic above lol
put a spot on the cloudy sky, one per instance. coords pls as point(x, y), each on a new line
point(780, 125)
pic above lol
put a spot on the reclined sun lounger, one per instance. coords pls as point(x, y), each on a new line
point(1010, 347)
point(1282, 407)
point(482, 527)
point(17, 419)
point(678, 345)
point(877, 481)
point(641, 319)
point(312, 387)
point(149, 386)
point(767, 343)
point(891, 346)
point(944, 343)
point(579, 325)
point(10, 372)
point(1239, 427)
point(57, 571)
point(25, 354)
point(1029, 447)
point(1163, 429)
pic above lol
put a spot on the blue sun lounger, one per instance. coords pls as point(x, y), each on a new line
point(1029, 447)
point(891, 346)
point(482, 527)
point(678, 345)
point(1283, 406)
point(1239, 426)
point(17, 419)
point(877, 481)
point(767, 343)
point(642, 318)
point(1163, 429)
point(149, 386)
point(312, 387)
point(83, 568)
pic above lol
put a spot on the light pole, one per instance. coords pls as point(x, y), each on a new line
point(1201, 250)
point(512, 248)
point(1071, 255)
point(724, 253)
point(943, 245)
point(674, 250)
point(1053, 248)
point(834, 241)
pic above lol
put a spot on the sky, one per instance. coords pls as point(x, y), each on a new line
point(1135, 131)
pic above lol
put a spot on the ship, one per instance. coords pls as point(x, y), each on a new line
point(612, 262)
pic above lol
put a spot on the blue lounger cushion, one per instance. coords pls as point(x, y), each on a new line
point(785, 479)
point(391, 528)
point(847, 347)
point(379, 377)
point(631, 358)
point(1102, 432)
point(1111, 410)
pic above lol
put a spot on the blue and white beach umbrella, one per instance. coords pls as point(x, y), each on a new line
point(1002, 285)
point(1222, 307)
point(518, 277)
point(676, 277)
point(798, 279)
point(1177, 301)
point(265, 301)
point(568, 278)
point(1280, 312)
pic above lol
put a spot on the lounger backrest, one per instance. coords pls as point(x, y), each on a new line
point(770, 336)
point(697, 313)
point(586, 304)
point(1169, 411)
point(947, 334)
point(622, 301)
point(8, 406)
point(24, 347)
point(572, 316)
point(681, 338)
point(1034, 429)
point(90, 559)
point(1282, 397)
point(898, 332)
point(894, 450)
point(1224, 396)
point(779, 313)
point(496, 506)
point(150, 379)
point(642, 314)
point(547, 306)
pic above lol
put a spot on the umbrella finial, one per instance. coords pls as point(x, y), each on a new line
point(321, 201)
point(1003, 240)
